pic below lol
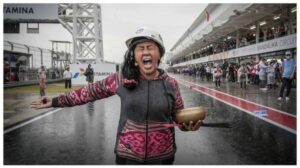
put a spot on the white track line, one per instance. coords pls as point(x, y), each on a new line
point(246, 111)
point(31, 120)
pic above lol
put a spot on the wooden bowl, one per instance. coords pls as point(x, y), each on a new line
point(190, 114)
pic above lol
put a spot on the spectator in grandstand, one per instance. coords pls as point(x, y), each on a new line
point(261, 35)
point(288, 71)
point(242, 76)
point(250, 38)
point(225, 46)
point(210, 50)
point(232, 44)
point(281, 29)
point(217, 75)
point(42, 80)
point(270, 34)
point(243, 42)
point(68, 77)
point(262, 74)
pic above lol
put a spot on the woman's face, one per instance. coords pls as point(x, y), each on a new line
point(147, 56)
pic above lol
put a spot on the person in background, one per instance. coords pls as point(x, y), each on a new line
point(271, 75)
point(243, 42)
point(281, 29)
point(17, 71)
point(89, 73)
point(217, 76)
point(242, 75)
point(57, 74)
point(68, 77)
point(261, 35)
point(288, 71)
point(42, 75)
point(42, 84)
point(262, 74)
point(270, 34)
point(278, 68)
point(235, 72)
point(23, 71)
point(252, 73)
point(256, 70)
point(6, 71)
point(202, 72)
point(208, 72)
point(231, 73)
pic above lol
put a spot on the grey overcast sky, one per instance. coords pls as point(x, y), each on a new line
point(122, 20)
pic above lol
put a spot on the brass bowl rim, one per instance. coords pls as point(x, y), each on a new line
point(191, 109)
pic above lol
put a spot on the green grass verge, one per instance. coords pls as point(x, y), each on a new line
point(50, 88)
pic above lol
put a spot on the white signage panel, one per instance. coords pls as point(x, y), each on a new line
point(30, 11)
point(101, 71)
point(282, 43)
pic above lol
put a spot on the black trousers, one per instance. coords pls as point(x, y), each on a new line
point(218, 83)
point(286, 83)
point(125, 161)
point(243, 84)
point(68, 83)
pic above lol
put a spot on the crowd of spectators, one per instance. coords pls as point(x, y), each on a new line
point(267, 33)
point(267, 74)
point(247, 38)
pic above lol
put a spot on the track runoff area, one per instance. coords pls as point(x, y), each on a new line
point(273, 116)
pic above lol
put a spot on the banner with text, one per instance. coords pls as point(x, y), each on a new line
point(31, 12)
point(101, 71)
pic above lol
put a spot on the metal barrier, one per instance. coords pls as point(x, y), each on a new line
point(21, 62)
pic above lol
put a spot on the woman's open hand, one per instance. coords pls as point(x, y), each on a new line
point(191, 126)
point(44, 102)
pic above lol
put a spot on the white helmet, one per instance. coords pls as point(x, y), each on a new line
point(148, 34)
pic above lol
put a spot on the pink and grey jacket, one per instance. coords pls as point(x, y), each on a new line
point(141, 134)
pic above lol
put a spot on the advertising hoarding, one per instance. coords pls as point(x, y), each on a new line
point(101, 71)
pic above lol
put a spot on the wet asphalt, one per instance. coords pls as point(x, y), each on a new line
point(85, 135)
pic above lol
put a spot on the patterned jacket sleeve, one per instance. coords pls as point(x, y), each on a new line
point(91, 92)
point(178, 101)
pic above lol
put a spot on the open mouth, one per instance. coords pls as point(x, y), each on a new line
point(147, 61)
